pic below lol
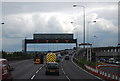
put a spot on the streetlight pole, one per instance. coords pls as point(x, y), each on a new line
point(88, 30)
point(83, 23)
point(88, 43)
point(94, 40)
point(76, 28)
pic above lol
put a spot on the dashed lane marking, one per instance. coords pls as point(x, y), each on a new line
point(32, 77)
point(37, 72)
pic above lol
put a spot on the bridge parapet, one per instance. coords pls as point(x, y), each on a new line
point(107, 52)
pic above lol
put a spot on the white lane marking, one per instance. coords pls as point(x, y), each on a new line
point(41, 68)
point(32, 77)
point(63, 70)
point(83, 69)
point(37, 72)
point(62, 59)
point(65, 74)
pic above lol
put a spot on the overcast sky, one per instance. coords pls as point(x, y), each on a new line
point(22, 19)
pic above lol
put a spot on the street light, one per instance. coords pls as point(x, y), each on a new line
point(94, 40)
point(89, 56)
point(76, 33)
point(2, 23)
point(83, 22)
point(76, 28)
point(88, 30)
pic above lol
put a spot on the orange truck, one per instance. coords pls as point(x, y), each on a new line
point(38, 59)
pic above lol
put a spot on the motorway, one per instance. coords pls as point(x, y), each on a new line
point(69, 71)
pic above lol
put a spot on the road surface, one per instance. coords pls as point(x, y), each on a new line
point(26, 69)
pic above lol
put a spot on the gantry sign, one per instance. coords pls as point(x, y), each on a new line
point(49, 38)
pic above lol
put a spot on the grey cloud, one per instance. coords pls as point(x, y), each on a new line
point(18, 26)
point(24, 19)
point(31, 7)
point(54, 25)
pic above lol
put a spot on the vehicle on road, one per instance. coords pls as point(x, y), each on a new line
point(111, 61)
point(38, 59)
point(5, 70)
point(117, 62)
point(52, 68)
point(59, 55)
point(50, 57)
point(70, 53)
point(66, 57)
point(57, 59)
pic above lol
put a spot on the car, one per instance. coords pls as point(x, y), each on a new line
point(70, 53)
point(66, 57)
point(52, 68)
point(6, 70)
point(117, 62)
point(57, 59)
point(59, 55)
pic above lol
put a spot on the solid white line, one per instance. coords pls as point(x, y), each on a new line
point(65, 74)
point(32, 77)
point(84, 70)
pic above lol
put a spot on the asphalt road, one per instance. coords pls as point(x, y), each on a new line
point(26, 69)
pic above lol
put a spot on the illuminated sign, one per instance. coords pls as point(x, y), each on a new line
point(37, 41)
point(56, 40)
point(47, 41)
point(67, 40)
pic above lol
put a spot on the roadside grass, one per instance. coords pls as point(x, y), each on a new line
point(81, 63)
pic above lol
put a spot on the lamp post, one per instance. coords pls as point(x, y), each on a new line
point(94, 40)
point(89, 56)
point(88, 30)
point(76, 28)
point(2, 23)
point(76, 34)
point(83, 22)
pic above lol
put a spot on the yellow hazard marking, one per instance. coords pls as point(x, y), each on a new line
point(51, 58)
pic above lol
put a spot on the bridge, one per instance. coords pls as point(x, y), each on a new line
point(107, 52)
point(95, 53)
point(49, 38)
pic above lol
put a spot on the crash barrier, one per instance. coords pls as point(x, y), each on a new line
point(106, 65)
point(103, 74)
